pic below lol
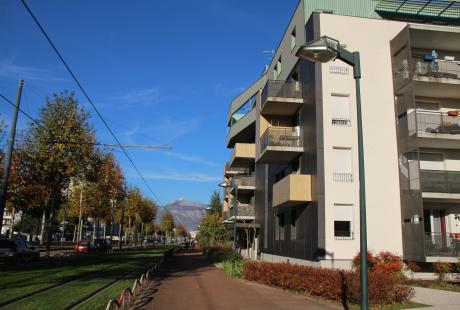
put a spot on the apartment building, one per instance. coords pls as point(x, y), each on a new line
point(293, 134)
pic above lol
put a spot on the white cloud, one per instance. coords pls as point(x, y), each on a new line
point(190, 158)
point(143, 96)
point(8, 69)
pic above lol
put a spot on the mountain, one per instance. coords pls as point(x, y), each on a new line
point(186, 212)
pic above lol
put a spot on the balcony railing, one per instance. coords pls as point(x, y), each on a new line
point(343, 235)
point(245, 181)
point(281, 136)
point(439, 181)
point(432, 122)
point(441, 244)
point(437, 68)
point(282, 89)
point(343, 177)
point(245, 210)
point(340, 121)
point(235, 170)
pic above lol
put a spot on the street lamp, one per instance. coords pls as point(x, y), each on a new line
point(324, 50)
point(235, 205)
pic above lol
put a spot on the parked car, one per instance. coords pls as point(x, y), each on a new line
point(103, 245)
point(17, 250)
point(84, 247)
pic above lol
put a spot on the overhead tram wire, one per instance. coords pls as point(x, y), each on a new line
point(87, 96)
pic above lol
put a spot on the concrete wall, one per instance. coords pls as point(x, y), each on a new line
point(371, 38)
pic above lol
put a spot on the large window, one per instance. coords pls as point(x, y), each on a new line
point(340, 109)
point(342, 164)
point(343, 221)
point(277, 69)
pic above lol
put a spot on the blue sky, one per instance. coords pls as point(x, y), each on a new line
point(160, 72)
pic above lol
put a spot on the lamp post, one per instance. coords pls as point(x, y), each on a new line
point(235, 206)
point(324, 50)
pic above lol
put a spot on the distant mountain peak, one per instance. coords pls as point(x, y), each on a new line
point(186, 212)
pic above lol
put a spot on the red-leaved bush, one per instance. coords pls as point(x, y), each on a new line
point(386, 261)
point(332, 284)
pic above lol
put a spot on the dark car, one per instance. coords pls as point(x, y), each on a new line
point(103, 245)
point(17, 250)
point(84, 247)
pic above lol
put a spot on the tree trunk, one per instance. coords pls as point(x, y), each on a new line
point(129, 229)
point(74, 233)
point(13, 215)
point(94, 229)
point(49, 228)
point(42, 232)
point(105, 228)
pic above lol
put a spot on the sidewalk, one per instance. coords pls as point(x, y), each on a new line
point(438, 299)
point(192, 282)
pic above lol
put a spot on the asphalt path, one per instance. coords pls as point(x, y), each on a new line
point(190, 281)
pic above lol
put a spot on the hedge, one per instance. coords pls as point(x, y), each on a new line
point(331, 284)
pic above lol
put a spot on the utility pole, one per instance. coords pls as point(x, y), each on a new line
point(9, 152)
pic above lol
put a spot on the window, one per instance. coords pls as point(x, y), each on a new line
point(342, 164)
point(343, 221)
point(293, 39)
point(293, 225)
point(340, 110)
point(431, 161)
point(277, 69)
point(281, 229)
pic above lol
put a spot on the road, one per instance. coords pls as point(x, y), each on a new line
point(191, 282)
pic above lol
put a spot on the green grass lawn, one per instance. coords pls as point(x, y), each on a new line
point(87, 274)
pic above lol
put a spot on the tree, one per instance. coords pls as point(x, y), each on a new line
point(215, 205)
point(212, 230)
point(181, 231)
point(167, 223)
point(60, 148)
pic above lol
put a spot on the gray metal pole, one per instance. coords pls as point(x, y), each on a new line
point(362, 191)
point(9, 152)
point(234, 227)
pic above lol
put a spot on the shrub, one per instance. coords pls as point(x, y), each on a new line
point(332, 284)
point(233, 269)
point(219, 252)
point(442, 270)
point(381, 261)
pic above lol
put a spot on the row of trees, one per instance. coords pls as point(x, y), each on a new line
point(59, 174)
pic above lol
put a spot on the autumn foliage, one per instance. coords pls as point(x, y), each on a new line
point(331, 284)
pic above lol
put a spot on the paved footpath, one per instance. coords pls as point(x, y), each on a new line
point(192, 282)
point(442, 300)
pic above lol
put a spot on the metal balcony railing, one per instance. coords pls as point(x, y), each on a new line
point(432, 122)
point(436, 68)
point(343, 235)
point(343, 177)
point(439, 181)
point(281, 89)
point(441, 244)
point(281, 136)
point(340, 121)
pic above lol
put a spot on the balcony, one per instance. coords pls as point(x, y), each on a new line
point(245, 212)
point(231, 171)
point(280, 145)
point(243, 155)
point(436, 129)
point(439, 181)
point(292, 190)
point(245, 184)
point(441, 245)
point(243, 130)
point(281, 98)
